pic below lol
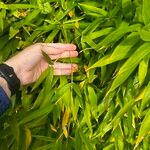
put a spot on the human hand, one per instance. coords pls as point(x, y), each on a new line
point(30, 63)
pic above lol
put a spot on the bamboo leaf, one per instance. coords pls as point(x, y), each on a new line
point(145, 35)
point(45, 147)
point(93, 9)
point(85, 140)
point(47, 58)
point(28, 138)
point(45, 7)
point(100, 33)
point(146, 97)
point(121, 51)
point(16, 6)
point(130, 65)
point(144, 129)
point(143, 68)
point(36, 114)
point(145, 11)
point(78, 140)
point(29, 18)
point(92, 97)
point(41, 78)
point(91, 27)
point(1, 22)
point(12, 32)
point(117, 34)
point(52, 35)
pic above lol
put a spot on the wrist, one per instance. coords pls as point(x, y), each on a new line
point(10, 78)
point(16, 69)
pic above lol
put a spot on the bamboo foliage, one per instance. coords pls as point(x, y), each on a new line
point(105, 105)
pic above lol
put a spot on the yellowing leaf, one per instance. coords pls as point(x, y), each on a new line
point(71, 13)
point(28, 138)
point(65, 122)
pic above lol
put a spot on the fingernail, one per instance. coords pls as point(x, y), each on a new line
point(74, 46)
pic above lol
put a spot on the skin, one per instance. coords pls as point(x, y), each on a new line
point(30, 63)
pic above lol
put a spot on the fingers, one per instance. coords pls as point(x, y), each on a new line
point(60, 72)
point(64, 69)
point(58, 65)
point(64, 46)
point(64, 55)
point(56, 48)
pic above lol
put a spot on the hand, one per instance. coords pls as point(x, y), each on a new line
point(30, 63)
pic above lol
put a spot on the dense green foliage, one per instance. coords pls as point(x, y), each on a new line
point(105, 105)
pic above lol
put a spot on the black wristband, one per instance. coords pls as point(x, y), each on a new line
point(9, 75)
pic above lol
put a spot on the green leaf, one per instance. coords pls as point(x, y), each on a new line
point(47, 58)
point(91, 27)
point(145, 11)
point(78, 140)
point(146, 97)
point(86, 141)
point(36, 114)
point(61, 91)
point(43, 138)
point(45, 7)
point(8, 48)
point(130, 65)
point(3, 40)
point(121, 51)
point(92, 97)
point(143, 68)
point(109, 147)
point(145, 35)
point(93, 9)
point(51, 36)
point(116, 120)
point(64, 4)
point(76, 88)
point(117, 34)
point(16, 6)
point(144, 129)
point(28, 20)
point(39, 99)
point(119, 138)
point(60, 15)
point(12, 32)
point(127, 7)
point(1, 22)
point(100, 33)
point(46, 147)
point(87, 117)
point(75, 108)
point(41, 78)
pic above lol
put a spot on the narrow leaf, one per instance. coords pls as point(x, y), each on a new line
point(146, 97)
point(144, 129)
point(130, 65)
point(143, 68)
point(47, 58)
point(145, 11)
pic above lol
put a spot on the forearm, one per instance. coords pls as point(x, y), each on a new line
point(4, 85)
point(9, 84)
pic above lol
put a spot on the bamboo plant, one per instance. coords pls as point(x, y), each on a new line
point(106, 104)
